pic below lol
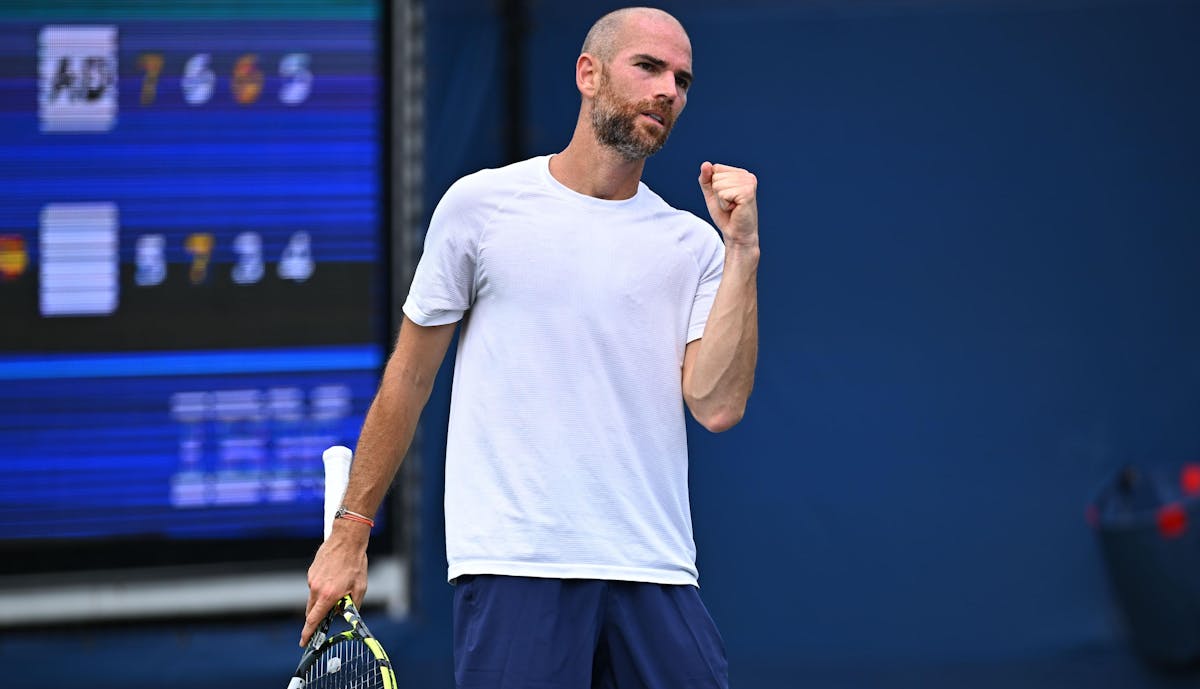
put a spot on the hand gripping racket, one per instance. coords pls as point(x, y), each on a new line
point(352, 659)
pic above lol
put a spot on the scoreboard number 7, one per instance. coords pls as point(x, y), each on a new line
point(151, 64)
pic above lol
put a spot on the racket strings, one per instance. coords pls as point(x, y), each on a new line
point(346, 665)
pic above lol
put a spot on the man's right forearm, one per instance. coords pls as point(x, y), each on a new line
point(340, 565)
point(392, 419)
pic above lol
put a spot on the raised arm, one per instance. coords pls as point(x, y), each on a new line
point(718, 369)
point(340, 565)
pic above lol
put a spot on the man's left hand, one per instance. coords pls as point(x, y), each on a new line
point(731, 194)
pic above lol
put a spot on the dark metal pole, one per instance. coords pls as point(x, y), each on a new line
point(515, 20)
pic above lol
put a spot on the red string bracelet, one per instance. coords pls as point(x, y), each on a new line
point(343, 513)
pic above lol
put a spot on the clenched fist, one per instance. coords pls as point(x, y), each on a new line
point(731, 194)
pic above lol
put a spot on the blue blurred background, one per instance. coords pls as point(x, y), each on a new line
point(980, 297)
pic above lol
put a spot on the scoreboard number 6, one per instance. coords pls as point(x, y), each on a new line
point(198, 79)
point(247, 80)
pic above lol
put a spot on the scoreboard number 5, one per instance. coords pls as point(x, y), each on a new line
point(297, 80)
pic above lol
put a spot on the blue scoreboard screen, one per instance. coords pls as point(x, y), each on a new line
point(192, 269)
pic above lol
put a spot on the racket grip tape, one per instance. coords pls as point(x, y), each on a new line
point(337, 474)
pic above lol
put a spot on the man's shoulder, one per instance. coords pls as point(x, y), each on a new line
point(478, 194)
point(499, 178)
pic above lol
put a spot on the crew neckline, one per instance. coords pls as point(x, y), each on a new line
point(584, 198)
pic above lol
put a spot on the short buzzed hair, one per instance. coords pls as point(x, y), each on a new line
point(601, 39)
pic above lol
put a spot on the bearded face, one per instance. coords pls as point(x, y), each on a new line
point(624, 126)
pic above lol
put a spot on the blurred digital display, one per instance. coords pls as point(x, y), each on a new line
point(191, 269)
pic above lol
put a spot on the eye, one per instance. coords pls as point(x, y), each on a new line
point(682, 83)
point(645, 66)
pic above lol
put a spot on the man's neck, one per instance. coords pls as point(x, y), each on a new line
point(592, 169)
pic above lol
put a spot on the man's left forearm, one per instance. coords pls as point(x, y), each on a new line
point(719, 367)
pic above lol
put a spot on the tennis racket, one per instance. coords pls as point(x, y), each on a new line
point(351, 659)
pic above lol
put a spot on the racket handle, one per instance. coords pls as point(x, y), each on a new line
point(337, 475)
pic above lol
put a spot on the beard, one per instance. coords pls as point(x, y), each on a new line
point(617, 124)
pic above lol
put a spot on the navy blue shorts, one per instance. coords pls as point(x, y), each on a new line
point(528, 633)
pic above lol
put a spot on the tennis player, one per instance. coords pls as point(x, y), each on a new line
point(592, 311)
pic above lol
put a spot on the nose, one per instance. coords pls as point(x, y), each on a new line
point(666, 87)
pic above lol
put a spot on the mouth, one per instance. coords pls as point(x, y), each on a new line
point(654, 117)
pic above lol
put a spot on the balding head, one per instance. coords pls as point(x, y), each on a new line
point(633, 76)
point(604, 38)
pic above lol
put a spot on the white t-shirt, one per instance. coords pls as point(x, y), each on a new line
point(566, 455)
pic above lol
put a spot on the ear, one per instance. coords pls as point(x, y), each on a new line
point(587, 75)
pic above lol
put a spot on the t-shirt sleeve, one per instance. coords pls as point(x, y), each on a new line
point(443, 286)
point(712, 264)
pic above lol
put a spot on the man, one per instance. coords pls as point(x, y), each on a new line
point(590, 308)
